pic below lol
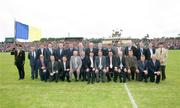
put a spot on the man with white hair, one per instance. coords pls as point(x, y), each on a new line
point(130, 47)
point(90, 49)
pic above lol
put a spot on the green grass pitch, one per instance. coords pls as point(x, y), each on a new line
point(36, 94)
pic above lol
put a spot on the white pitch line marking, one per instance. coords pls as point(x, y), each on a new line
point(130, 96)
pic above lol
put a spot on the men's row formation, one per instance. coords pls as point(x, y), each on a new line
point(101, 64)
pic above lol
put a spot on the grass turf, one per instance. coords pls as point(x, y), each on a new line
point(36, 94)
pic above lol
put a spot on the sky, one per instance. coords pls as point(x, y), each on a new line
point(92, 18)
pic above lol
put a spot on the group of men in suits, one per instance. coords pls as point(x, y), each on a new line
point(95, 64)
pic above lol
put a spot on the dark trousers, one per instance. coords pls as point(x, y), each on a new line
point(20, 67)
point(91, 75)
point(152, 78)
point(65, 74)
point(34, 71)
point(54, 77)
point(110, 74)
point(162, 68)
point(132, 74)
point(82, 74)
point(100, 76)
point(141, 76)
point(122, 76)
point(43, 75)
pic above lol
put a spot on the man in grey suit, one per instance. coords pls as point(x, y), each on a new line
point(100, 66)
point(75, 65)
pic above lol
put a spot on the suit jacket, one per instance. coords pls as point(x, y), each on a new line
point(57, 54)
point(113, 61)
point(88, 63)
point(62, 66)
point(55, 67)
point(48, 54)
point(148, 53)
point(106, 51)
point(84, 61)
point(33, 60)
point(73, 64)
point(97, 62)
point(153, 67)
point(40, 65)
point(142, 66)
point(39, 52)
point(162, 57)
point(131, 62)
point(19, 58)
point(119, 62)
point(139, 53)
point(88, 51)
point(69, 53)
point(133, 48)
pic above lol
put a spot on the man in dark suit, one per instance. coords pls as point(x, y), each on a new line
point(100, 66)
point(141, 51)
point(65, 68)
point(81, 48)
point(91, 49)
point(131, 65)
point(100, 48)
point(90, 67)
point(59, 52)
point(19, 55)
point(142, 67)
point(69, 51)
point(150, 51)
point(49, 52)
point(53, 69)
point(42, 68)
point(83, 67)
point(130, 47)
point(32, 56)
point(110, 63)
point(41, 51)
point(154, 69)
point(107, 49)
point(120, 68)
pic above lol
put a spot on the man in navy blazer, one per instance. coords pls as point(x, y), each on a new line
point(154, 69)
point(59, 52)
point(32, 56)
point(69, 51)
point(110, 63)
point(142, 67)
point(141, 51)
point(65, 68)
point(150, 51)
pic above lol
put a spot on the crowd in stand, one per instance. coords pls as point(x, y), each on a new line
point(58, 61)
point(169, 43)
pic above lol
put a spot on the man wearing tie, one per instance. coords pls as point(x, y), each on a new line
point(49, 52)
point(120, 68)
point(143, 69)
point(19, 55)
point(91, 49)
point(75, 65)
point(69, 51)
point(53, 69)
point(141, 51)
point(154, 69)
point(83, 67)
point(65, 68)
point(111, 63)
point(32, 56)
point(150, 51)
point(131, 65)
point(90, 67)
point(161, 55)
point(59, 52)
point(132, 48)
point(100, 66)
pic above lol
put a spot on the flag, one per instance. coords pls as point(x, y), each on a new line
point(21, 31)
point(26, 32)
point(34, 34)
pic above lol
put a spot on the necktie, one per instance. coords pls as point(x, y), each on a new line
point(64, 66)
point(161, 51)
point(91, 62)
point(52, 66)
point(111, 62)
point(100, 63)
